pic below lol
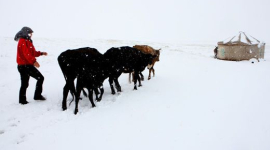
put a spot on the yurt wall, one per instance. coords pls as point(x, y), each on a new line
point(240, 52)
point(241, 47)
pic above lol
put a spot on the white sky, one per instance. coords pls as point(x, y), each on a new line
point(143, 20)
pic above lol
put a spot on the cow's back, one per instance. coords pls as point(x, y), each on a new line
point(78, 55)
point(71, 61)
point(145, 49)
point(124, 57)
point(127, 59)
point(121, 54)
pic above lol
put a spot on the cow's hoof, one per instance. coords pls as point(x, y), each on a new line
point(98, 99)
point(76, 111)
point(64, 108)
point(118, 89)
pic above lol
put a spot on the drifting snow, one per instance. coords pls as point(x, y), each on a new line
point(194, 102)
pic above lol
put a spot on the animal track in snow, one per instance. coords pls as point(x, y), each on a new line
point(22, 137)
point(13, 125)
point(2, 132)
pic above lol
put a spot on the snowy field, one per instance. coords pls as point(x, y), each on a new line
point(194, 102)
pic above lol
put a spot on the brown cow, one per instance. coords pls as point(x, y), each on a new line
point(149, 50)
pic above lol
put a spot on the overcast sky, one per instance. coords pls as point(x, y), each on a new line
point(143, 20)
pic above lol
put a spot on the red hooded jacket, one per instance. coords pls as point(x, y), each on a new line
point(26, 52)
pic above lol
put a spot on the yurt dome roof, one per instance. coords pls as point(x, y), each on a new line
point(241, 38)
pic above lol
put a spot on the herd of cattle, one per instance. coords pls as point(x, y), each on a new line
point(91, 68)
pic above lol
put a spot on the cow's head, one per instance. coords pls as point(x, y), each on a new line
point(150, 59)
point(157, 53)
point(154, 59)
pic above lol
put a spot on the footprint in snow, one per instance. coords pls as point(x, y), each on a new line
point(2, 132)
point(22, 137)
point(13, 125)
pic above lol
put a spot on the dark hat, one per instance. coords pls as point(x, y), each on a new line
point(27, 29)
point(23, 33)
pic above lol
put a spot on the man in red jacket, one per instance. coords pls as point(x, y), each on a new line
point(27, 64)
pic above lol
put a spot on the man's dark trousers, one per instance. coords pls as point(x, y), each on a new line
point(26, 71)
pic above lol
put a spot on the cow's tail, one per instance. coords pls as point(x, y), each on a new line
point(129, 78)
point(84, 93)
point(72, 91)
point(73, 94)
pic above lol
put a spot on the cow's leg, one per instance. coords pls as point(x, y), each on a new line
point(149, 76)
point(111, 85)
point(139, 79)
point(68, 87)
point(65, 94)
point(90, 91)
point(153, 71)
point(96, 93)
point(117, 85)
point(142, 77)
point(136, 76)
point(77, 97)
point(101, 93)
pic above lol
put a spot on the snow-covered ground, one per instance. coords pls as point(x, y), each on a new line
point(194, 102)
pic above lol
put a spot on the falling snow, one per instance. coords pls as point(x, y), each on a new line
point(193, 102)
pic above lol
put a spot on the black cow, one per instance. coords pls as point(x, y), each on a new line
point(126, 59)
point(216, 51)
point(91, 76)
point(74, 62)
point(91, 68)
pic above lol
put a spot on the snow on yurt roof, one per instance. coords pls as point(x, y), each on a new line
point(242, 38)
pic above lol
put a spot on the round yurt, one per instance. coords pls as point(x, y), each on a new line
point(240, 47)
